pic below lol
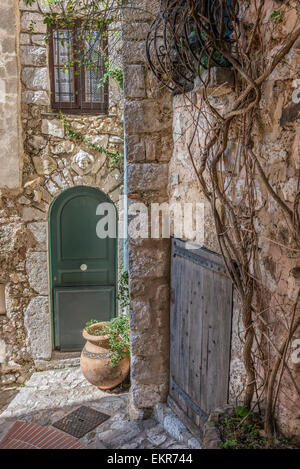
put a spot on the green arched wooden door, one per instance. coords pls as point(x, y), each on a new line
point(82, 265)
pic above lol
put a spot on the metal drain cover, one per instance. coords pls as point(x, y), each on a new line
point(81, 421)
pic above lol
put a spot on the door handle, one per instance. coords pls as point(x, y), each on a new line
point(83, 267)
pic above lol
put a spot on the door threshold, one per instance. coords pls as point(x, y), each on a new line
point(58, 355)
point(59, 360)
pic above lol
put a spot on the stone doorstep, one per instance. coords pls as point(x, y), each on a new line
point(57, 363)
point(174, 427)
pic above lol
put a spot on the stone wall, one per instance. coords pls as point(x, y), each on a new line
point(52, 162)
point(148, 126)
point(277, 143)
point(10, 154)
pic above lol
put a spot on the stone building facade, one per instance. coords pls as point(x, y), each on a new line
point(159, 127)
point(38, 161)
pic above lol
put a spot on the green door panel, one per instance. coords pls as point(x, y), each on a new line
point(79, 258)
point(76, 306)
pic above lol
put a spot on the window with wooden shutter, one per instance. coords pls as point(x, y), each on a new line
point(77, 67)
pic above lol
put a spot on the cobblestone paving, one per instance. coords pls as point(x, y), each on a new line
point(50, 395)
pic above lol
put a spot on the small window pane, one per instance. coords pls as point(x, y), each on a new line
point(64, 87)
point(94, 67)
point(93, 92)
point(62, 47)
point(93, 49)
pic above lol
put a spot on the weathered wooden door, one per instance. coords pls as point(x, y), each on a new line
point(201, 316)
point(83, 266)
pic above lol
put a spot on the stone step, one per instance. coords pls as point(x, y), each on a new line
point(57, 363)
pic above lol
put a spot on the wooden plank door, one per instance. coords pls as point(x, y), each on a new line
point(83, 266)
point(201, 317)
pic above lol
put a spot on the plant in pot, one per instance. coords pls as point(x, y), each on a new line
point(105, 358)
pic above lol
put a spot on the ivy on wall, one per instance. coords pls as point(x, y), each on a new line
point(115, 159)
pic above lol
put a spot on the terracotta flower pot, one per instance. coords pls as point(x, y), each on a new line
point(95, 361)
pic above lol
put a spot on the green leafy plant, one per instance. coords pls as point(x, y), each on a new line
point(123, 294)
point(242, 411)
point(277, 16)
point(112, 72)
point(241, 430)
point(229, 444)
point(118, 334)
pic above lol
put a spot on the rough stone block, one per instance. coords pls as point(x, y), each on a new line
point(53, 127)
point(38, 39)
point(143, 368)
point(135, 31)
point(31, 214)
point(35, 78)
point(148, 344)
point(143, 177)
point(7, 236)
point(134, 80)
point(24, 39)
point(64, 147)
point(37, 271)
point(37, 323)
point(134, 52)
point(135, 149)
point(35, 97)
point(2, 351)
point(31, 21)
point(148, 395)
point(147, 116)
point(44, 166)
point(140, 315)
point(37, 142)
point(33, 55)
point(142, 265)
point(39, 232)
point(112, 181)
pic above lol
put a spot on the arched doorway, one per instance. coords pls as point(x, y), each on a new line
point(82, 265)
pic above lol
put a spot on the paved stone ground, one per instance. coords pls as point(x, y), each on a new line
point(50, 395)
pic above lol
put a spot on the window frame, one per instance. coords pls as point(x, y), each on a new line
point(79, 105)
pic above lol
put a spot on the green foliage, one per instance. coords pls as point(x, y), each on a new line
point(118, 334)
point(89, 324)
point(229, 444)
point(112, 72)
point(242, 411)
point(123, 294)
point(277, 16)
point(241, 430)
point(116, 159)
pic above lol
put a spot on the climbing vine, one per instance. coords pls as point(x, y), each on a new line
point(188, 40)
point(116, 159)
point(186, 43)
